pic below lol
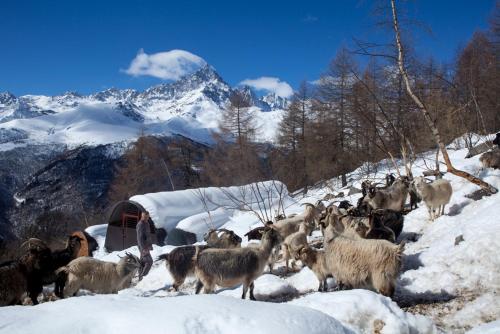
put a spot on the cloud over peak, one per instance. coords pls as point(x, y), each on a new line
point(168, 65)
point(270, 84)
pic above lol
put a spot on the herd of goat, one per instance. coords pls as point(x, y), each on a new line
point(359, 249)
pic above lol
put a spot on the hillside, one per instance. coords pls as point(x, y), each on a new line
point(447, 284)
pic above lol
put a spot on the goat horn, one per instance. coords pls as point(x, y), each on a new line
point(307, 204)
point(34, 241)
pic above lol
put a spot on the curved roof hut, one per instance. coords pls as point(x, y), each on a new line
point(123, 218)
point(183, 212)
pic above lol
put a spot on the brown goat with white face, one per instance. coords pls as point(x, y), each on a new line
point(230, 267)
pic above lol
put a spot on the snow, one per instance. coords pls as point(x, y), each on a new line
point(359, 309)
point(182, 314)
point(191, 107)
point(168, 208)
point(455, 287)
point(488, 328)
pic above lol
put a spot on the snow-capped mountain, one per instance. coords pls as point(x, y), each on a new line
point(190, 106)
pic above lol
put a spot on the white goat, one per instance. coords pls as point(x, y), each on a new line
point(293, 243)
point(362, 263)
point(310, 216)
point(99, 276)
point(435, 195)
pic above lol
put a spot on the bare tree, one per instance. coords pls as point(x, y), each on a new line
point(435, 132)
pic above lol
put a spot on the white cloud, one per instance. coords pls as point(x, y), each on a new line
point(275, 85)
point(169, 65)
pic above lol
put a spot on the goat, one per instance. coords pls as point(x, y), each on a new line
point(293, 243)
point(98, 276)
point(229, 267)
point(491, 159)
point(363, 263)
point(377, 230)
point(60, 258)
point(496, 141)
point(316, 261)
point(345, 204)
point(256, 233)
point(310, 216)
point(91, 244)
point(394, 197)
point(222, 238)
point(414, 197)
point(371, 227)
point(389, 180)
point(435, 195)
point(390, 219)
point(365, 185)
point(179, 261)
point(25, 274)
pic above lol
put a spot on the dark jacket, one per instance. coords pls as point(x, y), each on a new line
point(143, 236)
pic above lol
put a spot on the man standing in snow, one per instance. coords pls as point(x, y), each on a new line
point(145, 244)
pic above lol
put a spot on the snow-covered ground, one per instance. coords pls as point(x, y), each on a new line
point(446, 285)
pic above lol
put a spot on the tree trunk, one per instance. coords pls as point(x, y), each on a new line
point(435, 132)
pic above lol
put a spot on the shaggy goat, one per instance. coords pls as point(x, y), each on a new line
point(394, 197)
point(316, 261)
point(435, 195)
point(25, 274)
point(363, 263)
point(229, 267)
point(99, 276)
point(180, 260)
point(491, 159)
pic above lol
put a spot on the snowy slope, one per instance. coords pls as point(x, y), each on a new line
point(190, 106)
point(443, 287)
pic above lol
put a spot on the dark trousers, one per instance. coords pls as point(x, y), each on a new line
point(146, 263)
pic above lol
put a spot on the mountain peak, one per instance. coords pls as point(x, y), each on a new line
point(7, 98)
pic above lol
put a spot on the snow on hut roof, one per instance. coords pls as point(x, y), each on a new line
point(168, 208)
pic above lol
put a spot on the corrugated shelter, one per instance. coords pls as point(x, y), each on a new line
point(123, 218)
point(184, 212)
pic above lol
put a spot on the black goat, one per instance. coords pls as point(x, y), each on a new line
point(389, 218)
point(496, 141)
point(345, 204)
point(25, 274)
point(256, 233)
point(60, 258)
point(389, 180)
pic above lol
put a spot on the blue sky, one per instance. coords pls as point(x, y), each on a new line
point(55, 46)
